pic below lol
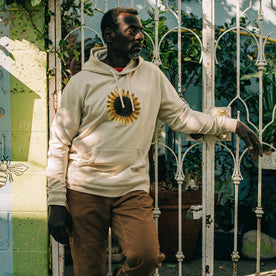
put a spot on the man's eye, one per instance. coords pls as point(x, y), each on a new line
point(132, 31)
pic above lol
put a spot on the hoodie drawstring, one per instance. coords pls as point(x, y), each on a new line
point(119, 90)
point(130, 95)
point(118, 87)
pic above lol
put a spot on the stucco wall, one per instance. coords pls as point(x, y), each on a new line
point(23, 97)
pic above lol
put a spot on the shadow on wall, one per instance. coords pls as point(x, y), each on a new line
point(21, 107)
point(21, 33)
point(22, 104)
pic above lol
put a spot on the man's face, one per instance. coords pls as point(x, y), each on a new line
point(128, 37)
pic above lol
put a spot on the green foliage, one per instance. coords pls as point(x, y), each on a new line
point(69, 46)
point(226, 84)
point(168, 52)
point(28, 6)
point(23, 2)
point(270, 207)
point(35, 2)
point(71, 16)
point(192, 165)
point(269, 96)
point(268, 193)
point(190, 75)
point(223, 215)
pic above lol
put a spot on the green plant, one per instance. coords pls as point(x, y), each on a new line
point(226, 89)
point(223, 175)
point(224, 203)
point(192, 165)
point(28, 6)
point(224, 215)
point(269, 97)
point(23, 2)
point(166, 173)
point(190, 48)
point(226, 85)
point(69, 46)
point(268, 193)
point(269, 208)
point(190, 75)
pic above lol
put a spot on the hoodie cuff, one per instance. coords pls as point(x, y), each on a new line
point(58, 198)
point(230, 125)
point(57, 192)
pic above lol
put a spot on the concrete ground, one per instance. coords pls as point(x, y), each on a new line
point(221, 268)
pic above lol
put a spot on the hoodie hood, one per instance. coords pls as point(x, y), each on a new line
point(95, 64)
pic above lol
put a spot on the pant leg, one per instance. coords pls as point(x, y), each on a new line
point(133, 223)
point(90, 221)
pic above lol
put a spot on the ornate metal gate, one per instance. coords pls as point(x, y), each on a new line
point(208, 42)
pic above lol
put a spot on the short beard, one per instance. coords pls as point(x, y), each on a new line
point(135, 55)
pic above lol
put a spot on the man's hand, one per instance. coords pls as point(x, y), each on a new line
point(59, 223)
point(251, 140)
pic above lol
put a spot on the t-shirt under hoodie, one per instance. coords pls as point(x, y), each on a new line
point(104, 126)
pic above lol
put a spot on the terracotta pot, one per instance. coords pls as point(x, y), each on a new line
point(168, 224)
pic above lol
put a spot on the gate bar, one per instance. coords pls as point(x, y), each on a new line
point(208, 147)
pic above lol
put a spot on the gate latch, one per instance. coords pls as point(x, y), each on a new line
point(195, 212)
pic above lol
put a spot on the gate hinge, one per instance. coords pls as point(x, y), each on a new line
point(207, 269)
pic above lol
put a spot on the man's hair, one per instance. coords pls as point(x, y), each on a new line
point(109, 19)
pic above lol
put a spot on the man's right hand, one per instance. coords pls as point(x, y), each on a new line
point(59, 223)
point(251, 140)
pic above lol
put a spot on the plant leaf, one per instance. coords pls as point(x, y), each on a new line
point(249, 76)
point(35, 2)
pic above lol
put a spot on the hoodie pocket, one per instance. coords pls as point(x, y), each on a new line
point(114, 160)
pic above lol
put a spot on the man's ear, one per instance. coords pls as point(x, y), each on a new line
point(108, 35)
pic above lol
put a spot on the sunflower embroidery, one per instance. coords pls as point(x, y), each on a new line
point(119, 114)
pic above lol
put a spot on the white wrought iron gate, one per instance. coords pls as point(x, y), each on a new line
point(208, 44)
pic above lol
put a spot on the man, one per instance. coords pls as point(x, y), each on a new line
point(101, 136)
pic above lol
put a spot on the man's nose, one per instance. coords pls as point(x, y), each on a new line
point(139, 36)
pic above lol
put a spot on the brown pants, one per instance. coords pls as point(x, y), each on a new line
point(131, 219)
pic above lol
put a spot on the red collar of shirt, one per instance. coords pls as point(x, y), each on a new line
point(119, 69)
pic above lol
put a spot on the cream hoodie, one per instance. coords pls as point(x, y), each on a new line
point(101, 135)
